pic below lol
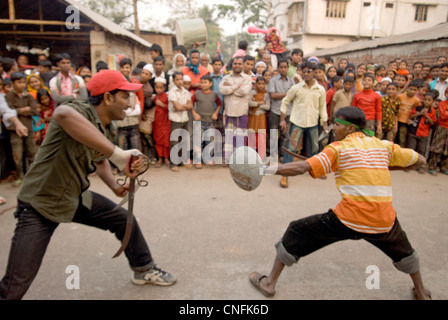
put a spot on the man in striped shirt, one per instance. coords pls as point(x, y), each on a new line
point(361, 164)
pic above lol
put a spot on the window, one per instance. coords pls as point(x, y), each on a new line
point(389, 5)
point(421, 12)
point(366, 4)
point(336, 9)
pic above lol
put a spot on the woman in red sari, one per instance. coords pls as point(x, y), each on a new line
point(161, 125)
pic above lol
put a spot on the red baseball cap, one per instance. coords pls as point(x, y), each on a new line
point(109, 80)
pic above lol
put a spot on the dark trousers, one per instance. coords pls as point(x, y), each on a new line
point(312, 233)
point(33, 233)
point(417, 143)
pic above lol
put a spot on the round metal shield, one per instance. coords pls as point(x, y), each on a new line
point(245, 168)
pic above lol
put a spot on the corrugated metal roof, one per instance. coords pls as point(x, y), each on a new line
point(106, 23)
point(439, 31)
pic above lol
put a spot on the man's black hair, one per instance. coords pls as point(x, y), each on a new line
point(101, 65)
point(125, 61)
point(414, 83)
point(248, 57)
point(159, 58)
point(45, 63)
point(320, 66)
point(156, 48)
point(60, 56)
point(216, 60)
point(194, 51)
point(282, 61)
point(353, 115)
point(243, 44)
point(7, 64)
point(96, 100)
point(181, 48)
point(207, 77)
point(349, 79)
point(369, 76)
point(308, 64)
point(17, 76)
point(297, 51)
point(335, 79)
point(141, 64)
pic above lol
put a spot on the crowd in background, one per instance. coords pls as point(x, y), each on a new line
point(276, 88)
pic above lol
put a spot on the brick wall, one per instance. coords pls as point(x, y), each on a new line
point(427, 52)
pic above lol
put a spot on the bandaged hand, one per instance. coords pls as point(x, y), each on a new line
point(121, 158)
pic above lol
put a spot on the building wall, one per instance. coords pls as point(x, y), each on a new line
point(109, 48)
point(164, 40)
point(426, 52)
point(364, 19)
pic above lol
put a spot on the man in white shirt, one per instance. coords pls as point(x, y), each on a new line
point(236, 88)
point(179, 102)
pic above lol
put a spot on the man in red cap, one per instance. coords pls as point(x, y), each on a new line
point(55, 189)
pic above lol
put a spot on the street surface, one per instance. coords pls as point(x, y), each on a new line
point(212, 235)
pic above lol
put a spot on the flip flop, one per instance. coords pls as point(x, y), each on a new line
point(255, 279)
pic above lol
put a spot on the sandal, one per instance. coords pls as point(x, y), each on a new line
point(2, 200)
point(255, 279)
point(198, 166)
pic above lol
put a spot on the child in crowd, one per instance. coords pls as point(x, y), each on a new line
point(360, 73)
point(423, 89)
point(267, 75)
point(434, 71)
point(380, 73)
point(162, 124)
point(343, 97)
point(390, 104)
point(179, 103)
point(86, 78)
point(403, 68)
point(34, 83)
point(7, 86)
point(260, 66)
point(402, 81)
point(331, 72)
point(259, 104)
point(370, 102)
point(217, 77)
point(383, 86)
point(408, 101)
point(47, 105)
point(439, 144)
point(422, 119)
point(204, 101)
point(25, 105)
point(319, 75)
point(336, 84)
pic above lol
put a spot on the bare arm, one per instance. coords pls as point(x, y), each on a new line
point(80, 129)
point(104, 171)
point(293, 168)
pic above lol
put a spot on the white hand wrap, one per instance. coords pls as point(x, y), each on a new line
point(121, 158)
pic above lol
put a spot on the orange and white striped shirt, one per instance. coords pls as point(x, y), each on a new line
point(361, 167)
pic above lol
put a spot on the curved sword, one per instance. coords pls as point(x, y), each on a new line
point(130, 215)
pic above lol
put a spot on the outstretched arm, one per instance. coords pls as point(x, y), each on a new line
point(293, 168)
